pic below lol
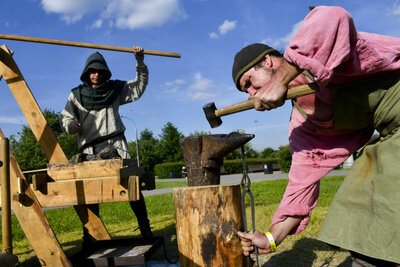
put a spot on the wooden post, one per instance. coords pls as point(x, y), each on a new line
point(207, 220)
point(5, 195)
point(86, 45)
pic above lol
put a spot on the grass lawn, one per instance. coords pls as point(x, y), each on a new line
point(299, 250)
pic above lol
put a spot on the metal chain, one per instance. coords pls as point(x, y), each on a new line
point(245, 183)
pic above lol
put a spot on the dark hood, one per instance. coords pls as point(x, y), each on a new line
point(95, 61)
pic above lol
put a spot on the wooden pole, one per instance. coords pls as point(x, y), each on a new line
point(5, 195)
point(207, 220)
point(85, 45)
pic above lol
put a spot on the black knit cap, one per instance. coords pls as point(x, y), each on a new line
point(246, 58)
point(95, 61)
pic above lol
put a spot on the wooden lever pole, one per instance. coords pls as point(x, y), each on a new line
point(86, 45)
point(293, 92)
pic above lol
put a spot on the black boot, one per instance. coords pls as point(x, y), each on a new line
point(139, 208)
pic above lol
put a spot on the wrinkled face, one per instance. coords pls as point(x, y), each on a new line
point(96, 77)
point(255, 78)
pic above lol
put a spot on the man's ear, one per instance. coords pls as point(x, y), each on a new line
point(267, 60)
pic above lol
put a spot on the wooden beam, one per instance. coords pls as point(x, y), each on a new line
point(133, 188)
point(33, 220)
point(39, 180)
point(30, 108)
point(86, 191)
point(11, 52)
point(88, 169)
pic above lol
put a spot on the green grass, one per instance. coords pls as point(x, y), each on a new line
point(160, 185)
point(121, 222)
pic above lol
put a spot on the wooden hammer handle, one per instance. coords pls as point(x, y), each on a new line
point(95, 46)
point(293, 92)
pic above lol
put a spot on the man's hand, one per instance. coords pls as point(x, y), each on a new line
point(76, 127)
point(272, 95)
point(279, 231)
point(248, 240)
point(139, 55)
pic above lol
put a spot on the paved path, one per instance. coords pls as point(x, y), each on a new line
point(231, 179)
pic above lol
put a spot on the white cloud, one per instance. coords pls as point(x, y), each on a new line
point(174, 86)
point(214, 35)
point(395, 10)
point(199, 88)
point(283, 41)
point(196, 90)
point(180, 81)
point(227, 26)
point(72, 11)
point(224, 28)
point(97, 24)
point(12, 120)
point(201, 83)
point(130, 14)
point(202, 96)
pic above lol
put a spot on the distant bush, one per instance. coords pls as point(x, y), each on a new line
point(236, 165)
point(169, 170)
point(284, 158)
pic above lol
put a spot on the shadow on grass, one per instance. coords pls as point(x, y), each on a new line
point(304, 253)
point(169, 251)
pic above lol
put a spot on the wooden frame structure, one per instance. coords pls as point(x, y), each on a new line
point(64, 184)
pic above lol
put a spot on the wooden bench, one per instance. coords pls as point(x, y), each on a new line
point(222, 170)
point(260, 167)
point(276, 167)
point(256, 168)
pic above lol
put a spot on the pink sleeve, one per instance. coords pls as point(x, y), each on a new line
point(323, 42)
point(315, 152)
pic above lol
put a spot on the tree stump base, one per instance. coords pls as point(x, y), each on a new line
point(207, 220)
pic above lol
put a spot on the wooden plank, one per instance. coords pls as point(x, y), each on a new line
point(33, 220)
point(133, 188)
point(85, 191)
point(11, 53)
point(88, 169)
point(30, 108)
point(38, 180)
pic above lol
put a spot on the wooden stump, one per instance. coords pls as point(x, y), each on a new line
point(207, 220)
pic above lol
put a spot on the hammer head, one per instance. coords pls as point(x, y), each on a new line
point(209, 110)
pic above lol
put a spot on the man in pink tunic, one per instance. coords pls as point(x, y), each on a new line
point(357, 72)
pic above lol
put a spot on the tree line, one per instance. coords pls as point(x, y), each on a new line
point(152, 150)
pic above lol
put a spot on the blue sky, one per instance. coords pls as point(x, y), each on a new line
point(207, 33)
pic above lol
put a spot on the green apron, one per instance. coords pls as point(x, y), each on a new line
point(365, 214)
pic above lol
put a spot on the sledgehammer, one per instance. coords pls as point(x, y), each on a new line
point(213, 114)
